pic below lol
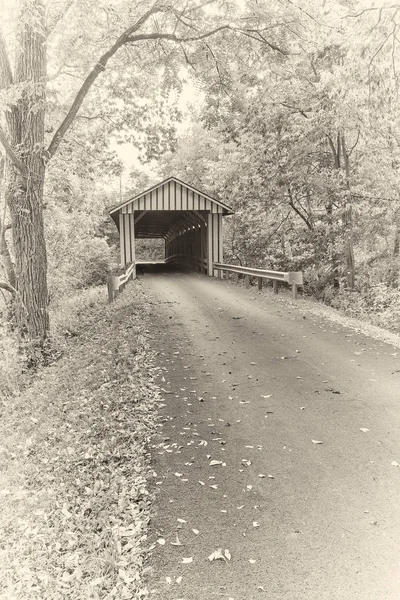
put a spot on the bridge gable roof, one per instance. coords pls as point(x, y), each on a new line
point(171, 194)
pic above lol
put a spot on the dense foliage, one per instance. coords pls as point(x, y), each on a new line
point(305, 147)
point(290, 115)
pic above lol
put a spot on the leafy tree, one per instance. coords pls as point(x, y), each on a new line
point(54, 45)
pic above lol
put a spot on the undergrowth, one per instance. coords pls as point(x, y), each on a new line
point(73, 462)
point(377, 305)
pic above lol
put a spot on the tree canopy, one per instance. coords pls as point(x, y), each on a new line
point(293, 121)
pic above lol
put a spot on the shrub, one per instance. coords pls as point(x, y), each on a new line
point(11, 363)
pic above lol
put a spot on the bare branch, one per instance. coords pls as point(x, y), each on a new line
point(173, 38)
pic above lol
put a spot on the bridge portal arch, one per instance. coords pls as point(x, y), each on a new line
point(190, 222)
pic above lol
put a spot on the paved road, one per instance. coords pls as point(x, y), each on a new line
point(249, 381)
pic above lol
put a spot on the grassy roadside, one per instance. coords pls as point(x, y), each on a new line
point(73, 460)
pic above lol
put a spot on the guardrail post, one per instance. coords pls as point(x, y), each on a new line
point(294, 291)
point(247, 280)
point(113, 287)
point(260, 284)
point(275, 286)
point(236, 277)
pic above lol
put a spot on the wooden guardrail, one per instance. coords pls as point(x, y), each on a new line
point(293, 278)
point(116, 283)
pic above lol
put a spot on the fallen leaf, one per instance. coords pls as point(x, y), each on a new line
point(395, 464)
point(317, 442)
point(364, 429)
point(186, 561)
point(256, 524)
point(196, 531)
point(220, 555)
point(177, 542)
point(181, 521)
point(161, 541)
point(261, 475)
point(179, 579)
point(215, 463)
point(168, 580)
point(252, 561)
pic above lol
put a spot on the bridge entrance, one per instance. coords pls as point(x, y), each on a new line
point(187, 219)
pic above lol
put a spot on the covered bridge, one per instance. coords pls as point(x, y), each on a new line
point(189, 221)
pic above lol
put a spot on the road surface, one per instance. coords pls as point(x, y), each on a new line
point(254, 383)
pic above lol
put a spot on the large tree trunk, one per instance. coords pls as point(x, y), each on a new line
point(5, 255)
point(25, 190)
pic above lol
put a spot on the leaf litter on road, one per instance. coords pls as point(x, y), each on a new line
point(220, 555)
point(177, 542)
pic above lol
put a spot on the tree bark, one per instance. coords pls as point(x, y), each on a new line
point(4, 250)
point(24, 193)
point(6, 257)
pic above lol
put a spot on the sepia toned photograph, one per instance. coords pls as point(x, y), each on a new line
point(199, 300)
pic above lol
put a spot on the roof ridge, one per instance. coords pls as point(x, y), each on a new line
point(157, 185)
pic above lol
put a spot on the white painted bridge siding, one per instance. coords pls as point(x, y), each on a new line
point(193, 238)
point(172, 195)
point(127, 238)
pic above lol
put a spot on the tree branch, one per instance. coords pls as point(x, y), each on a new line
point(58, 17)
point(91, 78)
point(296, 109)
point(128, 36)
point(173, 38)
point(8, 288)
point(297, 211)
point(249, 33)
point(17, 162)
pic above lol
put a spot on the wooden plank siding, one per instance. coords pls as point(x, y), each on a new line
point(127, 238)
point(189, 220)
point(172, 196)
